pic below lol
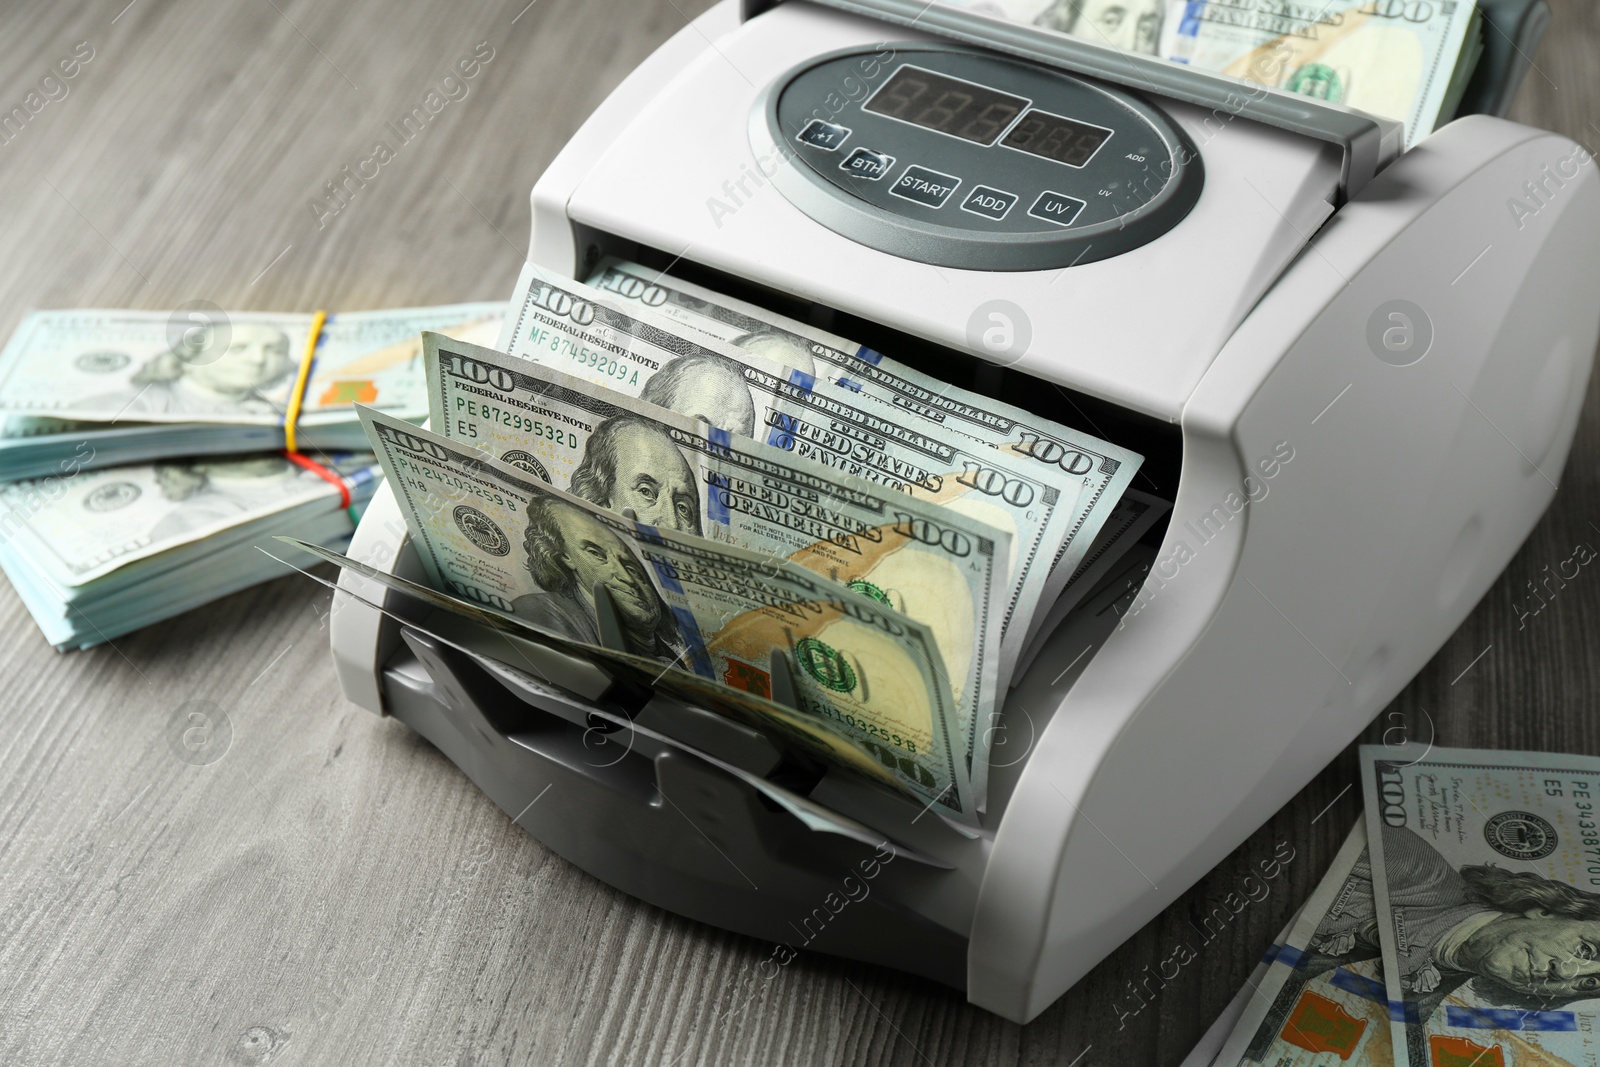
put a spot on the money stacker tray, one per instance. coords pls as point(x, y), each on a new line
point(1355, 370)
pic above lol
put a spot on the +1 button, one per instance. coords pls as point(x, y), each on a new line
point(829, 136)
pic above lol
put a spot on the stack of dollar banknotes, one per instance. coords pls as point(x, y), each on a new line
point(1408, 60)
point(713, 496)
point(1458, 927)
point(141, 454)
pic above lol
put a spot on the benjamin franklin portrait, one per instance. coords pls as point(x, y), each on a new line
point(209, 492)
point(1514, 938)
point(631, 463)
point(232, 380)
point(568, 552)
point(1131, 25)
point(705, 386)
point(779, 347)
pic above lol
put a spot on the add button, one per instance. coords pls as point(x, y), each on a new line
point(1058, 208)
point(990, 203)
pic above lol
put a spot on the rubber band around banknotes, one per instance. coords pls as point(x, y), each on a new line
point(332, 477)
point(291, 414)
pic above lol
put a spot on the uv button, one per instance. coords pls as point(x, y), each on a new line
point(1058, 208)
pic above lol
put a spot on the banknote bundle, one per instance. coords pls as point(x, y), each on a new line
point(95, 554)
point(1458, 925)
point(1409, 61)
point(1405, 61)
point(645, 468)
point(137, 465)
point(936, 564)
point(87, 388)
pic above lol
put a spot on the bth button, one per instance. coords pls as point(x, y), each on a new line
point(865, 163)
point(990, 203)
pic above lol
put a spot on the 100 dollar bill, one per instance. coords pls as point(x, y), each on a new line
point(527, 646)
point(1389, 57)
point(937, 565)
point(1322, 994)
point(600, 338)
point(1093, 472)
point(209, 367)
point(1486, 870)
point(84, 526)
point(496, 535)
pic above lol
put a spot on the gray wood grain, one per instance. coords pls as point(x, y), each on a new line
point(333, 890)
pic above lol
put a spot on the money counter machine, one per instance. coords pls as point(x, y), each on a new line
point(1355, 370)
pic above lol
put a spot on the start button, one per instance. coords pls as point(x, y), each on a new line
point(925, 186)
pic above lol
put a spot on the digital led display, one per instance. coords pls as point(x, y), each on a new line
point(961, 109)
point(1053, 137)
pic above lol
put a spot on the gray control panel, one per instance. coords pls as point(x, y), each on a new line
point(963, 158)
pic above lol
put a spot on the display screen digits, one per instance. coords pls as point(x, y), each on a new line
point(1053, 137)
point(961, 109)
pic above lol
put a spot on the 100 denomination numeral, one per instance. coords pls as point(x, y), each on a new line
point(481, 374)
point(1071, 460)
point(930, 533)
point(991, 482)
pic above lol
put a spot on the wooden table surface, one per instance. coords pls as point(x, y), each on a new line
point(332, 890)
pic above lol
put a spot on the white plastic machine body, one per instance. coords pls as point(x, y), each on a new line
point(1383, 499)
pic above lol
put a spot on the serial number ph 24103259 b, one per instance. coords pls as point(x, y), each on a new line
point(869, 728)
